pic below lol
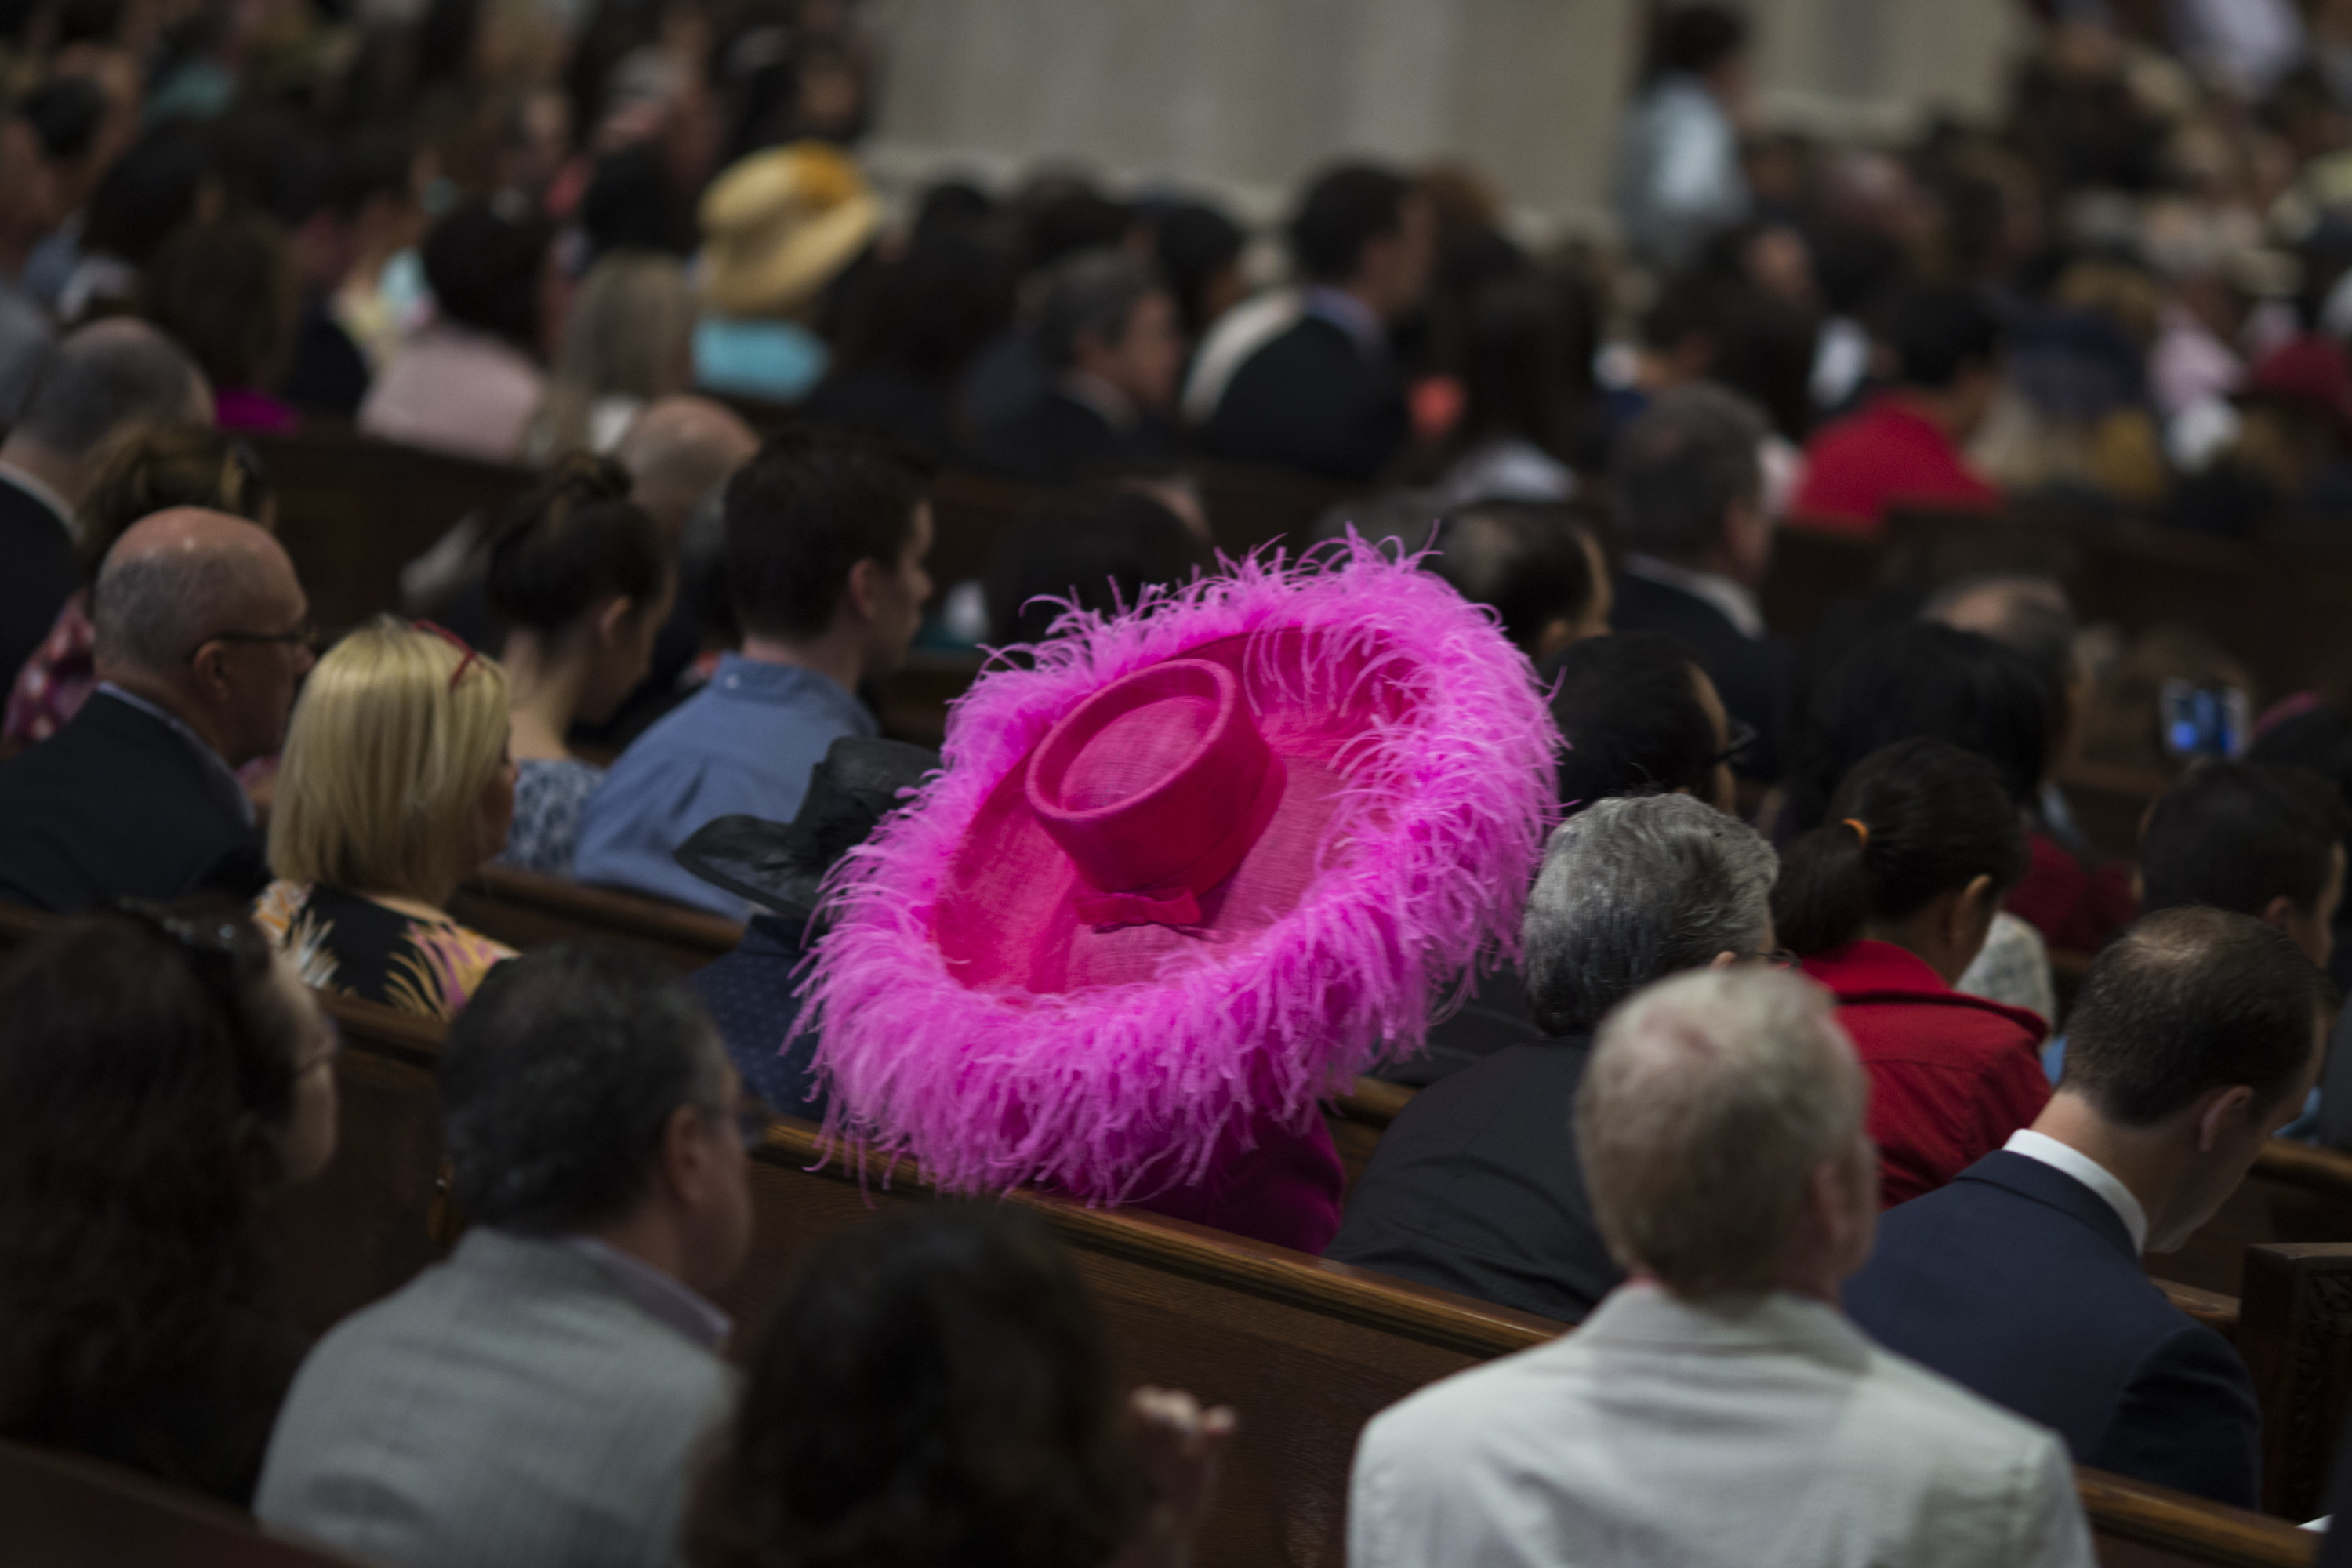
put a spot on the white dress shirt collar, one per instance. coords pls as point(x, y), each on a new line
point(1351, 316)
point(661, 1298)
point(1738, 604)
point(2064, 1157)
point(44, 494)
point(1117, 408)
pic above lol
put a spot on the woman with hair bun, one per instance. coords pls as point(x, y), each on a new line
point(1887, 904)
point(583, 582)
point(161, 1076)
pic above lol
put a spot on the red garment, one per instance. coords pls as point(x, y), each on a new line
point(1951, 1075)
point(2077, 908)
point(1285, 1188)
point(1886, 454)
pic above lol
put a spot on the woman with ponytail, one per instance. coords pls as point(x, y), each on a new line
point(1887, 902)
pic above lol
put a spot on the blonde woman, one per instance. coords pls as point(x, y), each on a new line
point(628, 340)
point(396, 786)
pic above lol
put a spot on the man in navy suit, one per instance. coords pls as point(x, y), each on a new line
point(1690, 508)
point(2196, 1037)
point(1308, 381)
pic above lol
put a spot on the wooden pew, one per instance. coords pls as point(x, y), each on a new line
point(1307, 1350)
point(63, 1511)
point(525, 910)
point(352, 510)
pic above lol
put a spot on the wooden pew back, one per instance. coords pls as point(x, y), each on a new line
point(62, 1511)
point(353, 510)
point(525, 910)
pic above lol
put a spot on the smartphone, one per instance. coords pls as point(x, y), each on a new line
point(2204, 719)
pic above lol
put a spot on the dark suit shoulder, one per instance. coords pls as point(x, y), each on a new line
point(116, 804)
point(40, 574)
point(1476, 1188)
point(1052, 441)
point(1309, 399)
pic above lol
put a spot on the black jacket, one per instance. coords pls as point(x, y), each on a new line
point(201, 1422)
point(38, 573)
point(1057, 440)
point(1750, 674)
point(1476, 1188)
point(2021, 1283)
point(1311, 399)
point(118, 804)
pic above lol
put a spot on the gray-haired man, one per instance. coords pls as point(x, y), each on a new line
point(1718, 1410)
point(1476, 1188)
point(538, 1397)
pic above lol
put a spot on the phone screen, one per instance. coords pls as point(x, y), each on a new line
point(2203, 719)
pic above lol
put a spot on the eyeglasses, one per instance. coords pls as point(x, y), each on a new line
point(1742, 736)
point(750, 1116)
point(305, 636)
point(220, 963)
point(1778, 958)
point(454, 640)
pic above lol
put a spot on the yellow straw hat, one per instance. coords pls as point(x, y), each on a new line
point(780, 224)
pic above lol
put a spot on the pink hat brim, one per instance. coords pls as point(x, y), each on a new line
point(1117, 1092)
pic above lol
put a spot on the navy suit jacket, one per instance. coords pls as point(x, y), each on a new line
point(2019, 1282)
point(114, 805)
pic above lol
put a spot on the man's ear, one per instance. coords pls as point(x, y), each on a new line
point(2226, 1108)
point(2278, 912)
point(685, 1151)
point(614, 615)
point(208, 672)
point(862, 593)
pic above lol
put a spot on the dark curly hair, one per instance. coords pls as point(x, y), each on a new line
point(934, 1391)
point(143, 1085)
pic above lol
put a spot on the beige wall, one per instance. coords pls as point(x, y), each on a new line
point(1246, 96)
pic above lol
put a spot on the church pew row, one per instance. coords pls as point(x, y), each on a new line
point(352, 510)
point(525, 910)
point(63, 1511)
point(2296, 1193)
point(1307, 1350)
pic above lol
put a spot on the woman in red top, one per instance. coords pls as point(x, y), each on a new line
point(1887, 902)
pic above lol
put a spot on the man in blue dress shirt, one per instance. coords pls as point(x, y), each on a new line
point(826, 532)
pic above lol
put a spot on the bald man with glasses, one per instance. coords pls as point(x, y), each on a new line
point(201, 639)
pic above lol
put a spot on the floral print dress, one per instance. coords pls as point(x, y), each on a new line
point(342, 943)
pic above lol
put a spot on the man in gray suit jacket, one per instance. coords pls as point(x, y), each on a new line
point(539, 1397)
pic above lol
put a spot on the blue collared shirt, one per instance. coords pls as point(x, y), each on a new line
point(744, 743)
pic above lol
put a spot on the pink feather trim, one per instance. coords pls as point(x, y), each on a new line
point(1120, 1092)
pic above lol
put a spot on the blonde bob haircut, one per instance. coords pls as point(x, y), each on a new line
point(1710, 1101)
point(395, 735)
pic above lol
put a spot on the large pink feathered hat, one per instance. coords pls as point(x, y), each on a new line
point(1202, 863)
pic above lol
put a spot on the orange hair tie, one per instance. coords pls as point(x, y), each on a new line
point(1861, 831)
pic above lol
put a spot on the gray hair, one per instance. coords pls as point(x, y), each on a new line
point(109, 374)
point(152, 610)
point(1094, 291)
point(1681, 464)
point(559, 1080)
point(1633, 890)
point(1710, 1101)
